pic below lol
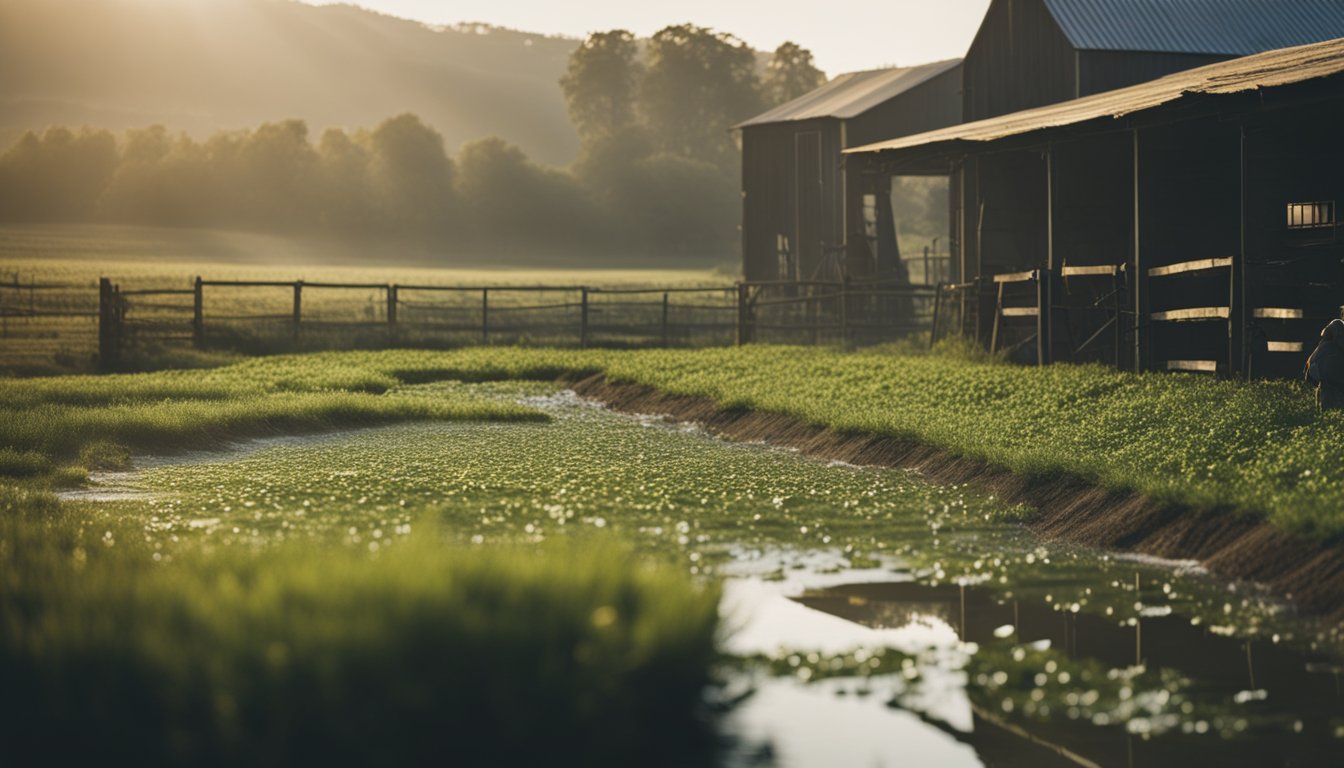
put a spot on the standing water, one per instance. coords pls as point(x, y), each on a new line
point(870, 618)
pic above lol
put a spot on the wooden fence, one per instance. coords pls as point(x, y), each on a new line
point(285, 315)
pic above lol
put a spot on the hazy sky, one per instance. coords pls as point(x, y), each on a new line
point(845, 36)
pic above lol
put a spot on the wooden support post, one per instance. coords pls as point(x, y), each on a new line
point(1043, 340)
point(298, 307)
point(1140, 272)
point(1236, 300)
point(109, 330)
point(665, 334)
point(583, 317)
point(998, 318)
point(392, 311)
point(198, 314)
point(1117, 312)
point(1045, 337)
point(485, 315)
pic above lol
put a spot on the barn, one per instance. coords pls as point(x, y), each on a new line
point(803, 213)
point(1186, 223)
point(1029, 53)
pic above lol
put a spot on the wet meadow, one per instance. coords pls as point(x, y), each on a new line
point(411, 556)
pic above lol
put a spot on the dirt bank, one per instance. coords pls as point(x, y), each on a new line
point(1231, 545)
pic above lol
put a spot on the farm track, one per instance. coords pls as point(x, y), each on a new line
point(1232, 545)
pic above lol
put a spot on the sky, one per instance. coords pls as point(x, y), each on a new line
point(844, 37)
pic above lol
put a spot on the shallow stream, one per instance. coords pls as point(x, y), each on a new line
point(877, 620)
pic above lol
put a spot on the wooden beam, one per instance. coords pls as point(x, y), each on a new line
point(1015, 277)
point(1201, 366)
point(1279, 313)
point(1194, 313)
point(1101, 270)
point(1190, 266)
point(1286, 346)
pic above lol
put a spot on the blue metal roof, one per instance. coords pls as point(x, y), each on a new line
point(1230, 27)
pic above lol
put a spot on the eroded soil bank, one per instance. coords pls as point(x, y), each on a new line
point(1232, 545)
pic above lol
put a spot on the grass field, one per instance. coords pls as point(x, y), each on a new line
point(163, 639)
point(481, 585)
point(1260, 448)
point(257, 319)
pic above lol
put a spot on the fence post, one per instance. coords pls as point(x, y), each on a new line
point(937, 308)
point(741, 314)
point(1044, 339)
point(844, 311)
point(298, 307)
point(198, 314)
point(485, 315)
point(109, 326)
point(392, 311)
point(583, 317)
point(665, 334)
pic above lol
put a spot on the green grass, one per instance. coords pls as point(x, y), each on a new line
point(509, 591)
point(158, 643)
point(432, 652)
point(1259, 448)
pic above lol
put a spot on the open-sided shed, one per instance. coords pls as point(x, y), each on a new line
point(799, 203)
point(1187, 223)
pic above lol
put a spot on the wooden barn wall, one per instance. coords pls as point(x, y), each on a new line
point(773, 198)
point(934, 103)
point(1189, 200)
point(1292, 156)
point(1018, 60)
point(1093, 203)
point(1012, 226)
point(1093, 200)
point(1100, 71)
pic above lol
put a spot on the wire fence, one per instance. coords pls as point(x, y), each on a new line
point(103, 323)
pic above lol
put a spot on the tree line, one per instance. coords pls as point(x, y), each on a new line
point(656, 175)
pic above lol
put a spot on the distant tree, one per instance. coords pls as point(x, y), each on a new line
point(513, 200)
point(699, 82)
point(411, 173)
point(682, 206)
point(790, 74)
point(277, 170)
point(602, 83)
point(57, 176)
point(343, 172)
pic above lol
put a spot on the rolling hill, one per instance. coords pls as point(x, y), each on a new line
point(206, 65)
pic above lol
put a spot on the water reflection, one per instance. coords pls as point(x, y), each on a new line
point(1048, 686)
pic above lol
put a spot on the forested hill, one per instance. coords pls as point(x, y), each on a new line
point(205, 65)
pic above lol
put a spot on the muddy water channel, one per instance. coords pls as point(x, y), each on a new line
point(869, 618)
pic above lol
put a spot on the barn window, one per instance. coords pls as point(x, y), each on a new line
point(1311, 215)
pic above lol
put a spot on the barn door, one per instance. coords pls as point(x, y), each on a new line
point(808, 202)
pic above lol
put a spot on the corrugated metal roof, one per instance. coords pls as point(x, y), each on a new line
point(1232, 27)
point(852, 94)
point(1265, 70)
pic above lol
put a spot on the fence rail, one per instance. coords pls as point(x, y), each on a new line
point(272, 315)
